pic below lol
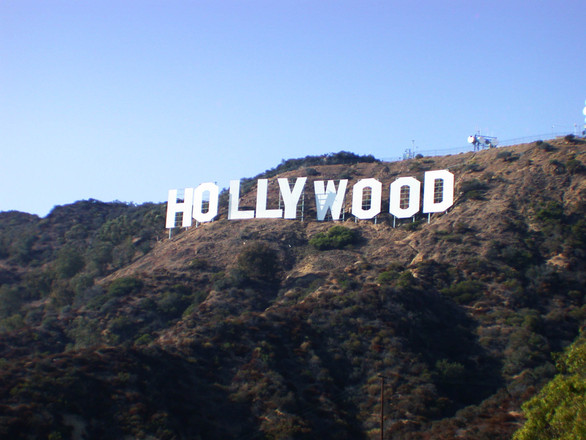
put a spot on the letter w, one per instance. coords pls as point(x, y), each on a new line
point(329, 198)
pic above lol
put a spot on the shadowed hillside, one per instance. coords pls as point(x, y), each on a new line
point(279, 329)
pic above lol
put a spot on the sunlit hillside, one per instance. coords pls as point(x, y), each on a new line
point(282, 329)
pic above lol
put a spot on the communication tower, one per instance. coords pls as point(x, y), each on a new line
point(409, 152)
point(479, 142)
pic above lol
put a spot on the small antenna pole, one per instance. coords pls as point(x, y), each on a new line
point(584, 113)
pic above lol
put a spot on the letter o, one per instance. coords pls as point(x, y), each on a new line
point(414, 186)
point(214, 192)
point(358, 197)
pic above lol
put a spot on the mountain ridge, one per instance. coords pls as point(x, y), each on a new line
point(280, 338)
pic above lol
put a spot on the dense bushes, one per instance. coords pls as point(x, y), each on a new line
point(340, 158)
point(124, 286)
point(75, 244)
point(69, 262)
point(337, 237)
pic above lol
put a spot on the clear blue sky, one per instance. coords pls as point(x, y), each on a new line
point(124, 100)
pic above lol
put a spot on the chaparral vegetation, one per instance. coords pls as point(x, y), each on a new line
point(282, 329)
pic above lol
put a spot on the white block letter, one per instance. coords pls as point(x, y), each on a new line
point(234, 200)
point(291, 198)
point(214, 193)
point(261, 201)
point(411, 204)
point(358, 197)
point(330, 198)
point(438, 191)
point(174, 207)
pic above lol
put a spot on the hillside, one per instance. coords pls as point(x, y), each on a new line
point(252, 329)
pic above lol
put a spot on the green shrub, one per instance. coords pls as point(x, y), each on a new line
point(532, 320)
point(545, 146)
point(173, 303)
point(117, 230)
point(144, 339)
point(577, 237)
point(12, 323)
point(569, 138)
point(99, 255)
point(124, 286)
point(474, 167)
point(515, 256)
point(199, 264)
point(11, 300)
point(81, 282)
point(337, 237)
point(560, 168)
point(22, 249)
point(507, 156)
point(414, 226)
point(388, 276)
point(574, 166)
point(418, 166)
point(473, 189)
point(406, 282)
point(84, 332)
point(69, 262)
point(550, 212)
point(61, 294)
point(347, 283)
point(448, 236)
point(121, 326)
point(190, 309)
point(449, 371)
point(464, 292)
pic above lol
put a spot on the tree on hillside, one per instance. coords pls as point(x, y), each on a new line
point(559, 410)
point(258, 261)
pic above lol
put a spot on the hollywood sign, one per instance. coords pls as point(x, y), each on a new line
point(201, 203)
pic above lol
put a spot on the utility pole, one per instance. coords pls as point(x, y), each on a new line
point(382, 400)
point(382, 406)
